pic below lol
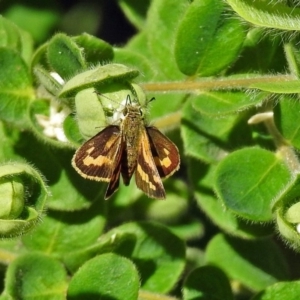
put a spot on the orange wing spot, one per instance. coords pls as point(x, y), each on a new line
point(145, 177)
point(111, 141)
point(167, 152)
point(98, 161)
point(90, 150)
point(156, 179)
point(166, 162)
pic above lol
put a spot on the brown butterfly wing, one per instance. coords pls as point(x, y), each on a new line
point(115, 178)
point(99, 157)
point(146, 175)
point(164, 152)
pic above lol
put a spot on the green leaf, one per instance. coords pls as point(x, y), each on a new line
point(195, 142)
point(260, 175)
point(68, 189)
point(90, 115)
point(10, 35)
point(285, 221)
point(11, 189)
point(285, 114)
point(106, 276)
point(162, 23)
point(35, 276)
point(207, 283)
point(266, 53)
point(39, 57)
point(38, 21)
point(23, 196)
point(265, 14)
point(48, 82)
point(61, 233)
point(163, 106)
point(134, 59)
point(228, 221)
point(158, 254)
point(16, 91)
point(16, 39)
point(64, 56)
point(207, 139)
point(8, 137)
point(189, 231)
point(280, 291)
point(71, 130)
point(140, 42)
point(248, 262)
point(100, 76)
point(292, 214)
point(168, 212)
point(221, 103)
point(136, 12)
point(202, 177)
point(202, 35)
point(94, 111)
point(287, 212)
point(96, 51)
point(10, 250)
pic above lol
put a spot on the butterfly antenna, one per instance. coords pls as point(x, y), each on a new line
point(102, 95)
point(150, 100)
point(128, 100)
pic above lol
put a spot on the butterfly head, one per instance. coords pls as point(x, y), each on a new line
point(117, 111)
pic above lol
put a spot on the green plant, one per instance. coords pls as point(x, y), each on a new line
point(225, 75)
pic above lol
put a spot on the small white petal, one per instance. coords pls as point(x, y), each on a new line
point(60, 135)
point(53, 125)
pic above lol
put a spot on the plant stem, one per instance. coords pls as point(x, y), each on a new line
point(212, 83)
point(284, 149)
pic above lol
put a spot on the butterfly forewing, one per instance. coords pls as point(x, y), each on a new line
point(146, 175)
point(98, 157)
point(164, 152)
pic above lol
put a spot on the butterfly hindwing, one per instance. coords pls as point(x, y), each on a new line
point(146, 175)
point(97, 158)
point(164, 152)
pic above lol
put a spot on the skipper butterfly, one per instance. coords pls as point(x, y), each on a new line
point(127, 148)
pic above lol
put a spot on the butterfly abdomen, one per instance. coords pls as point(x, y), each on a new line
point(131, 130)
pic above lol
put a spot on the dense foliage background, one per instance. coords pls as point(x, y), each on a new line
point(225, 78)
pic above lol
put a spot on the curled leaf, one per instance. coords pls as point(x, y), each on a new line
point(23, 195)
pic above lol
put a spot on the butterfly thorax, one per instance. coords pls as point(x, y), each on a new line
point(131, 130)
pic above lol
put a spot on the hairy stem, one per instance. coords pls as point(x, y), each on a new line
point(213, 83)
